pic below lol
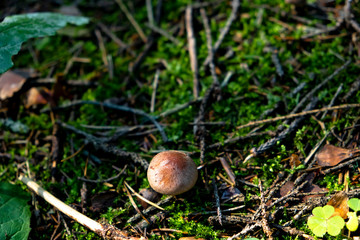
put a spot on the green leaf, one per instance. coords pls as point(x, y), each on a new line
point(15, 30)
point(353, 222)
point(334, 225)
point(14, 212)
point(317, 225)
point(354, 204)
point(323, 212)
point(322, 221)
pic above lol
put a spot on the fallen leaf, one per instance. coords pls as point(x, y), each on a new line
point(294, 161)
point(10, 83)
point(230, 192)
point(36, 97)
point(150, 195)
point(340, 203)
point(286, 188)
point(312, 189)
point(283, 191)
point(102, 201)
point(331, 155)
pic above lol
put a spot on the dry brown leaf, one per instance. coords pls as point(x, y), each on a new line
point(35, 97)
point(10, 83)
point(294, 161)
point(340, 202)
point(286, 188)
point(331, 155)
point(150, 195)
point(102, 201)
point(312, 188)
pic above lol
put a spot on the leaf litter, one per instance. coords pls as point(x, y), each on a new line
point(256, 172)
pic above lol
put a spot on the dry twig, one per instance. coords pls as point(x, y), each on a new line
point(106, 231)
point(225, 30)
point(192, 51)
point(132, 20)
point(301, 114)
point(116, 107)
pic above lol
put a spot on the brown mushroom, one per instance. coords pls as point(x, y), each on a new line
point(172, 173)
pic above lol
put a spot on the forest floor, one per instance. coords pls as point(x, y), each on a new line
point(263, 95)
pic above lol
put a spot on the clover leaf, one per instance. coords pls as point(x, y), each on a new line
point(353, 222)
point(354, 204)
point(322, 222)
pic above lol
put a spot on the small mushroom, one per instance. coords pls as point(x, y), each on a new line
point(172, 173)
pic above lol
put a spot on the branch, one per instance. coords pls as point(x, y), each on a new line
point(106, 231)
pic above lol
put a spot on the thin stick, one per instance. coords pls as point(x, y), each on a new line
point(315, 149)
point(163, 33)
point(341, 165)
point(132, 20)
point(94, 226)
point(192, 51)
point(354, 88)
point(153, 95)
point(98, 144)
point(295, 115)
point(212, 212)
point(264, 222)
point(218, 209)
point(104, 180)
point(187, 104)
point(333, 99)
point(116, 40)
point(134, 204)
point(142, 198)
point(276, 61)
point(74, 154)
point(293, 231)
point(228, 170)
point(320, 86)
point(209, 45)
point(149, 209)
point(237, 139)
point(102, 47)
point(272, 142)
point(117, 107)
point(245, 230)
point(229, 220)
point(355, 25)
point(290, 194)
point(225, 30)
point(80, 218)
point(180, 107)
point(150, 12)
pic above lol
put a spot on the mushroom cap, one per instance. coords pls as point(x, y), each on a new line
point(172, 172)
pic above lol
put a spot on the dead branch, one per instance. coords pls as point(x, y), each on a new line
point(132, 20)
point(98, 144)
point(153, 95)
point(106, 231)
point(209, 45)
point(217, 200)
point(225, 30)
point(264, 222)
point(304, 113)
point(164, 33)
point(272, 142)
point(116, 107)
point(192, 51)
